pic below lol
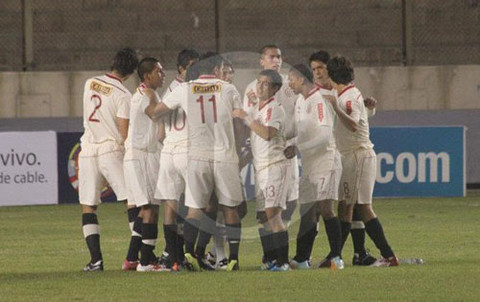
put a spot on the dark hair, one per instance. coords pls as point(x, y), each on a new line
point(125, 61)
point(276, 78)
point(321, 56)
point(228, 63)
point(208, 62)
point(192, 73)
point(145, 66)
point(268, 46)
point(340, 70)
point(185, 56)
point(303, 71)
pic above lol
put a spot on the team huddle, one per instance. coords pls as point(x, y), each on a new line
point(185, 149)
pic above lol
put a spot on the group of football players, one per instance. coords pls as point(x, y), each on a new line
point(184, 151)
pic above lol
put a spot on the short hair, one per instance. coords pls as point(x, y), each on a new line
point(145, 66)
point(185, 56)
point(340, 70)
point(228, 63)
point(321, 56)
point(125, 61)
point(276, 78)
point(303, 71)
point(192, 73)
point(208, 62)
point(268, 46)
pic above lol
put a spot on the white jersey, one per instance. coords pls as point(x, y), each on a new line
point(285, 97)
point(208, 103)
point(315, 120)
point(142, 131)
point(350, 100)
point(104, 100)
point(266, 153)
point(176, 129)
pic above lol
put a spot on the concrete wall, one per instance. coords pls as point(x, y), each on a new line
point(59, 94)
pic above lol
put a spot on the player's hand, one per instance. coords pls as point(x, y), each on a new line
point(290, 151)
point(239, 113)
point(331, 99)
point(370, 102)
point(252, 97)
point(149, 93)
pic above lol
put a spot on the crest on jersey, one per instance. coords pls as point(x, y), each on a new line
point(206, 88)
point(100, 88)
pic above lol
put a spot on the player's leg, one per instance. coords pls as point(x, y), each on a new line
point(345, 212)
point(334, 233)
point(360, 254)
point(112, 167)
point(135, 223)
point(306, 236)
point(219, 240)
point(280, 238)
point(170, 234)
point(148, 259)
point(234, 231)
point(373, 226)
point(198, 191)
point(228, 189)
point(208, 228)
point(90, 182)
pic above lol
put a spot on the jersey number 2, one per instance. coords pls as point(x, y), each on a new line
point(202, 108)
point(98, 103)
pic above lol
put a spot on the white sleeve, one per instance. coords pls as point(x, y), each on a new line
point(275, 117)
point(124, 106)
point(176, 98)
point(370, 112)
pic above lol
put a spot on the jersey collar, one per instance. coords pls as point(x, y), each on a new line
point(111, 76)
point(207, 76)
point(311, 92)
point(346, 88)
point(179, 79)
point(266, 103)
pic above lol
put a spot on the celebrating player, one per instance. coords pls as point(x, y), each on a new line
point(358, 157)
point(266, 119)
point(173, 167)
point(106, 106)
point(212, 158)
point(141, 160)
point(271, 58)
point(321, 168)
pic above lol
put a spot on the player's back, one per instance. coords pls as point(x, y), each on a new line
point(104, 99)
point(210, 121)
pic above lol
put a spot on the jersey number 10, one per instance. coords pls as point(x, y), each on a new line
point(202, 108)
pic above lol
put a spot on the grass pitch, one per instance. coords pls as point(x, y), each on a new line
point(42, 253)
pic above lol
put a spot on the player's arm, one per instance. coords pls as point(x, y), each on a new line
point(349, 121)
point(265, 132)
point(155, 109)
point(122, 125)
point(122, 117)
point(161, 131)
point(370, 103)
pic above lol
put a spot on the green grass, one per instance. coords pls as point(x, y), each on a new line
point(42, 252)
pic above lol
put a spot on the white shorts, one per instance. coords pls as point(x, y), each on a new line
point(358, 177)
point(172, 175)
point(320, 186)
point(141, 172)
point(95, 171)
point(206, 177)
point(293, 186)
point(272, 184)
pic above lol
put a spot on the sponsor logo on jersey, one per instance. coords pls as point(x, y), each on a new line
point(101, 88)
point(210, 88)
